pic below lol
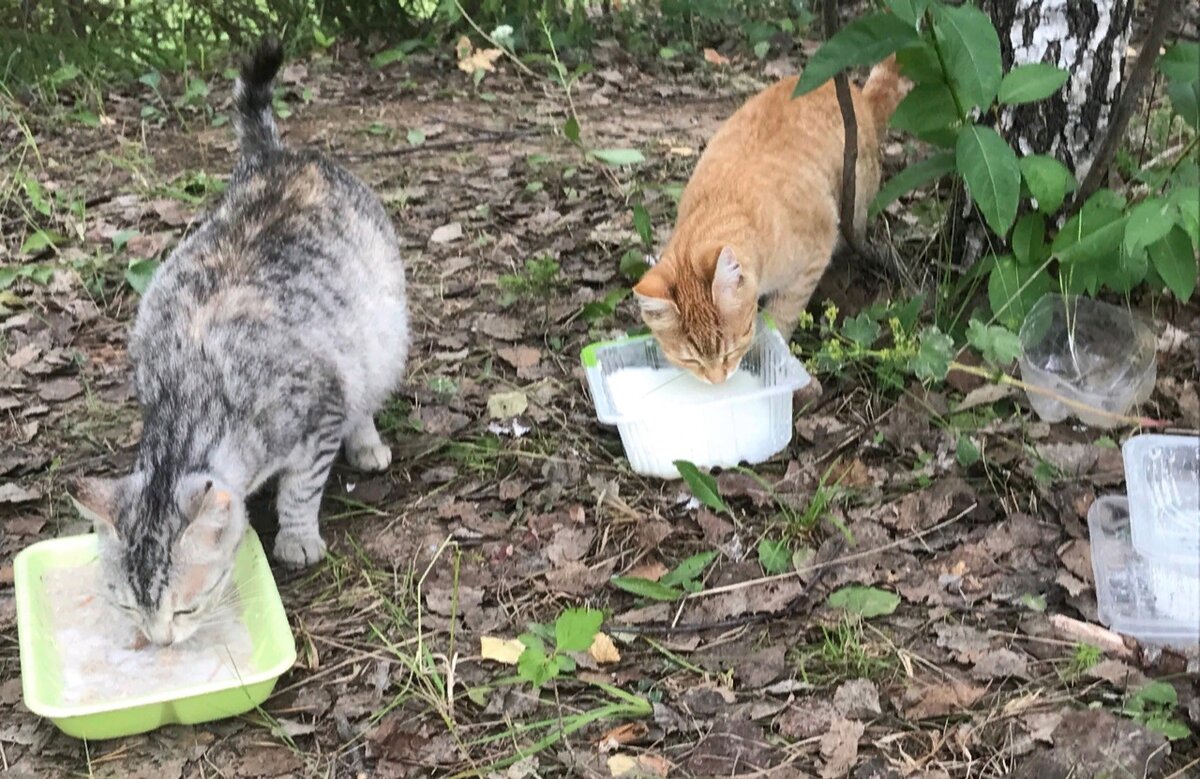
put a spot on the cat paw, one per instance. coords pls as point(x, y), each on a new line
point(370, 457)
point(296, 550)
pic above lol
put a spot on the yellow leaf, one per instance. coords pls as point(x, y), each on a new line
point(622, 765)
point(714, 57)
point(463, 48)
point(502, 650)
point(483, 59)
point(603, 650)
point(682, 151)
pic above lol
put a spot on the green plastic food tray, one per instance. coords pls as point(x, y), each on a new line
point(262, 611)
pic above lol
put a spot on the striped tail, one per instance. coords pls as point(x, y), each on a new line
point(884, 90)
point(252, 117)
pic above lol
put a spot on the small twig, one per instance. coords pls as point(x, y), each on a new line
point(791, 609)
point(1077, 632)
point(1004, 378)
point(1126, 106)
point(498, 137)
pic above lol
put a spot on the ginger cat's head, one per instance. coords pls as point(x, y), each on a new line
point(702, 310)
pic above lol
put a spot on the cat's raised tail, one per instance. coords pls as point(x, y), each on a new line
point(884, 90)
point(252, 117)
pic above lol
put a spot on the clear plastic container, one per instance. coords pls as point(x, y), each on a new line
point(663, 414)
point(1152, 599)
point(1087, 351)
point(1162, 473)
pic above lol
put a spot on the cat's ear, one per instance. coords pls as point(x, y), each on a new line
point(653, 294)
point(96, 501)
point(727, 279)
point(211, 513)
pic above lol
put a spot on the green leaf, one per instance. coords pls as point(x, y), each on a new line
point(121, 237)
point(927, 108)
point(932, 361)
point(86, 118)
point(1187, 200)
point(1181, 62)
point(644, 588)
point(1029, 239)
point(1185, 99)
point(1013, 289)
point(1175, 261)
point(633, 265)
point(641, 223)
point(1048, 180)
point(702, 485)
point(1149, 221)
point(862, 329)
point(415, 137)
point(866, 602)
point(617, 157)
point(1027, 83)
point(575, 628)
point(606, 306)
point(972, 52)
point(774, 556)
point(1156, 694)
point(989, 166)
point(966, 452)
point(910, 11)
point(997, 345)
point(571, 130)
point(139, 273)
point(387, 57)
point(689, 570)
point(534, 667)
point(1094, 234)
point(919, 62)
point(864, 41)
point(39, 240)
point(910, 178)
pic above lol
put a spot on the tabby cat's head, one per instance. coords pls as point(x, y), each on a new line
point(702, 311)
point(166, 550)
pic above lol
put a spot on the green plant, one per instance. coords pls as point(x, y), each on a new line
point(1154, 706)
point(574, 631)
point(1083, 658)
point(843, 652)
point(952, 54)
point(674, 584)
point(539, 279)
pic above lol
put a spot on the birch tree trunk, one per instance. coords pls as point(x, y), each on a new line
point(1089, 39)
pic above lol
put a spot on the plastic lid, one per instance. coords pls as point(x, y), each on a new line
point(1162, 473)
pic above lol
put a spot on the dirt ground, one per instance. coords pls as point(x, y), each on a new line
point(484, 525)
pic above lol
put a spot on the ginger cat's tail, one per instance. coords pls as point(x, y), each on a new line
point(884, 90)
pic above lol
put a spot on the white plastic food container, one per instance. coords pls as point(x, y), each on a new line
point(664, 414)
point(1153, 599)
point(1163, 477)
point(1089, 352)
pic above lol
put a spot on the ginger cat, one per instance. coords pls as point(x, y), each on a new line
point(759, 217)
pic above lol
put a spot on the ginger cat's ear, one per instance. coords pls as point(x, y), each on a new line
point(727, 279)
point(654, 294)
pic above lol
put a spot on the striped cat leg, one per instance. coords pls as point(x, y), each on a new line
point(301, 485)
point(364, 448)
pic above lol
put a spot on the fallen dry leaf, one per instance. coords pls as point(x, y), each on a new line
point(714, 57)
point(940, 700)
point(622, 765)
point(1000, 664)
point(505, 405)
point(603, 650)
point(626, 733)
point(857, 699)
point(655, 765)
point(471, 59)
point(447, 233)
point(502, 650)
point(15, 493)
point(839, 747)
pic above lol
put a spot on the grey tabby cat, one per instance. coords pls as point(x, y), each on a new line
point(264, 343)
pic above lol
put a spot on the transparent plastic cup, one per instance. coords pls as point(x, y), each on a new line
point(1154, 600)
point(1087, 351)
point(747, 419)
point(1162, 473)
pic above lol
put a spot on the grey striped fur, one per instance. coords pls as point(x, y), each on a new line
point(264, 344)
